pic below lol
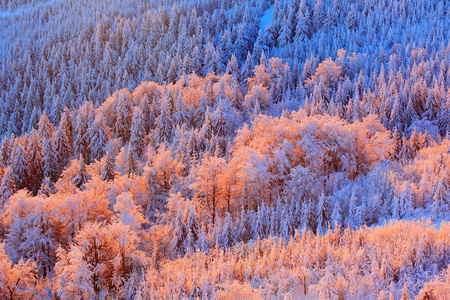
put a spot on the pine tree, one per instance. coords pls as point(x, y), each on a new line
point(99, 136)
point(50, 162)
point(81, 176)
point(352, 20)
point(35, 156)
point(124, 116)
point(220, 121)
point(407, 201)
point(144, 107)
point(15, 120)
point(82, 138)
point(8, 186)
point(202, 242)
point(233, 68)
point(286, 226)
point(440, 205)
point(319, 15)
point(247, 67)
point(256, 110)
point(336, 216)
point(19, 166)
point(180, 232)
point(406, 153)
point(386, 271)
point(130, 161)
point(207, 129)
point(5, 152)
point(242, 45)
point(108, 172)
point(164, 124)
point(138, 133)
point(304, 24)
point(209, 58)
point(192, 227)
point(63, 144)
point(226, 237)
point(180, 116)
point(45, 128)
point(352, 207)
point(55, 113)
point(307, 218)
point(46, 188)
point(322, 214)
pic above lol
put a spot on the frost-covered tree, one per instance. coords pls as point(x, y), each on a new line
point(124, 111)
point(131, 166)
point(206, 183)
point(8, 186)
point(99, 136)
point(81, 175)
point(108, 170)
point(137, 139)
point(19, 281)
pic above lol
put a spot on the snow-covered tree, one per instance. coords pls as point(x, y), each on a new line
point(81, 175)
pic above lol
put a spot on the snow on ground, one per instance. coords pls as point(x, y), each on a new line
point(438, 222)
point(267, 18)
point(421, 215)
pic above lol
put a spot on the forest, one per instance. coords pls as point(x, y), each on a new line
point(259, 149)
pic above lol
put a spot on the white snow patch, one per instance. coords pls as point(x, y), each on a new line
point(419, 215)
point(267, 18)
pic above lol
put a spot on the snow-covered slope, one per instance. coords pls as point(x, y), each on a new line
point(267, 18)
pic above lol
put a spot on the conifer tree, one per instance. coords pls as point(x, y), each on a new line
point(5, 152)
point(164, 124)
point(233, 68)
point(137, 139)
point(49, 160)
point(202, 242)
point(130, 161)
point(322, 214)
point(19, 166)
point(82, 138)
point(336, 216)
point(45, 127)
point(8, 185)
point(99, 136)
point(63, 145)
point(108, 172)
point(220, 121)
point(35, 155)
point(180, 232)
point(226, 238)
point(440, 205)
point(124, 116)
point(81, 175)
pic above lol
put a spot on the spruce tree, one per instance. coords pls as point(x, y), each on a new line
point(108, 172)
point(19, 166)
point(45, 127)
point(35, 155)
point(49, 160)
point(8, 186)
point(130, 161)
point(137, 139)
point(81, 176)
point(63, 145)
point(99, 136)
